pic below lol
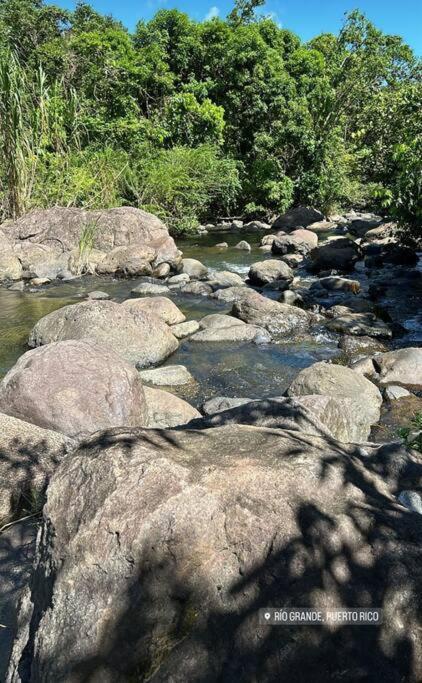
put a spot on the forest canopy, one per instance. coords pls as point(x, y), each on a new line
point(194, 120)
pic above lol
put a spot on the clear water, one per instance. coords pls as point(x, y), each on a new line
point(239, 369)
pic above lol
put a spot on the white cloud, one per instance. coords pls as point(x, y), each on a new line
point(213, 12)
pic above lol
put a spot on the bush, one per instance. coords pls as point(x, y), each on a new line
point(184, 185)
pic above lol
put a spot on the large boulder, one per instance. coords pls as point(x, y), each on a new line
point(158, 548)
point(230, 294)
point(130, 260)
point(402, 367)
point(288, 244)
point(328, 379)
point(271, 270)
point(301, 216)
point(74, 387)
point(140, 337)
point(165, 410)
point(340, 254)
point(160, 306)
point(62, 228)
point(28, 457)
point(276, 317)
point(360, 223)
point(360, 324)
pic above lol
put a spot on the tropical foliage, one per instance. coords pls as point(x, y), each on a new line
point(195, 119)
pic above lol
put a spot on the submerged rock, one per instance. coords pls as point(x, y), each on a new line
point(182, 330)
point(234, 333)
point(150, 288)
point(167, 375)
point(74, 387)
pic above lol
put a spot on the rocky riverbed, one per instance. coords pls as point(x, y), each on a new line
point(224, 396)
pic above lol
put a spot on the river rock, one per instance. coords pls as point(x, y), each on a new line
point(362, 222)
point(234, 333)
point(165, 410)
point(74, 387)
point(301, 216)
point(220, 279)
point(289, 244)
point(98, 295)
point(340, 254)
point(291, 298)
point(393, 392)
point(292, 260)
point(219, 404)
point(149, 288)
point(360, 324)
point(322, 226)
point(218, 320)
point(28, 456)
point(363, 345)
point(162, 270)
point(142, 338)
point(195, 269)
point(269, 271)
point(402, 367)
point(340, 284)
point(160, 306)
point(10, 267)
point(171, 541)
point(61, 229)
point(222, 245)
point(179, 279)
point(267, 240)
point(230, 294)
point(182, 330)
point(306, 236)
point(276, 317)
point(129, 261)
point(18, 286)
point(167, 375)
point(243, 245)
point(253, 226)
point(328, 379)
point(197, 288)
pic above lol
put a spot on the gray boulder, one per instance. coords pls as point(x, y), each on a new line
point(61, 229)
point(340, 284)
point(360, 324)
point(322, 226)
point(195, 269)
point(276, 317)
point(230, 294)
point(74, 387)
point(172, 540)
point(28, 457)
point(360, 223)
point(141, 338)
point(253, 226)
point(328, 379)
point(340, 254)
point(219, 320)
point(160, 306)
point(393, 392)
point(150, 289)
point(197, 288)
point(243, 245)
point(235, 333)
point(10, 267)
point(363, 345)
point(219, 404)
point(301, 216)
point(272, 270)
point(289, 244)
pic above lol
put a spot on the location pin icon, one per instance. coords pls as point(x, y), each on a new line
point(267, 615)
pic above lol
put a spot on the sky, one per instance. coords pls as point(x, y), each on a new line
point(307, 18)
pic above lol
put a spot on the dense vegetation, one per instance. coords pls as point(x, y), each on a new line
point(192, 120)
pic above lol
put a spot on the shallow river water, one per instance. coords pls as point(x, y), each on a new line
point(239, 369)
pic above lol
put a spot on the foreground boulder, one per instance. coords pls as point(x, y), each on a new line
point(74, 387)
point(28, 457)
point(328, 379)
point(276, 317)
point(61, 229)
point(158, 549)
point(301, 216)
point(142, 338)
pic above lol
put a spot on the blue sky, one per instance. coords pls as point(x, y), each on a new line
point(307, 18)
